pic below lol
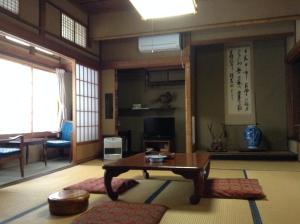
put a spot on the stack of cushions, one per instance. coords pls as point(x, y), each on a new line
point(113, 212)
point(233, 188)
point(97, 186)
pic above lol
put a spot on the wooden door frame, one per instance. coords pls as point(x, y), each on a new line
point(166, 62)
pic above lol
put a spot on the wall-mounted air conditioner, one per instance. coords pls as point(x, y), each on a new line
point(168, 42)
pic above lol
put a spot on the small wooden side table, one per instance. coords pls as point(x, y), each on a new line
point(68, 202)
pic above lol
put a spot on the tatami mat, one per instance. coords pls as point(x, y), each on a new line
point(226, 211)
point(27, 202)
point(283, 198)
point(292, 166)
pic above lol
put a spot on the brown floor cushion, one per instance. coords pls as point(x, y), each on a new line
point(116, 212)
point(96, 185)
point(233, 188)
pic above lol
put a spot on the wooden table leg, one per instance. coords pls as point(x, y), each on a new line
point(108, 175)
point(198, 179)
point(27, 153)
point(146, 174)
point(207, 169)
point(45, 153)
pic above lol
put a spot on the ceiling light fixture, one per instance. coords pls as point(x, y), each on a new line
point(154, 9)
point(43, 50)
point(17, 41)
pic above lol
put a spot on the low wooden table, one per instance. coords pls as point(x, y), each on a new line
point(191, 166)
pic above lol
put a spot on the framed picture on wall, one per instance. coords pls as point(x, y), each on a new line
point(239, 91)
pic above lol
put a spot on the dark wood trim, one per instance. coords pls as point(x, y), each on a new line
point(17, 30)
point(294, 54)
point(88, 36)
point(42, 17)
point(74, 113)
point(239, 39)
point(143, 63)
point(16, 17)
point(88, 142)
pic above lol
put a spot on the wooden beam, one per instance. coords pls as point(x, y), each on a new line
point(240, 39)
point(144, 63)
point(31, 36)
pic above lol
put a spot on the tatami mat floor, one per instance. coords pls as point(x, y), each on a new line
point(27, 202)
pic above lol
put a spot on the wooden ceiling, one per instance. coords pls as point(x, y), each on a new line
point(101, 6)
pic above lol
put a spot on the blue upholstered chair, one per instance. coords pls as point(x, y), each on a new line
point(64, 140)
point(11, 149)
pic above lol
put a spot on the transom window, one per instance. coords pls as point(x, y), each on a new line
point(29, 99)
point(10, 5)
point(73, 31)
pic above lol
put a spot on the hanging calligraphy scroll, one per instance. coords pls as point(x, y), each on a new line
point(239, 100)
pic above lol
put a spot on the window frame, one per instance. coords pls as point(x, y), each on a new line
point(74, 29)
point(33, 66)
point(16, 14)
point(81, 74)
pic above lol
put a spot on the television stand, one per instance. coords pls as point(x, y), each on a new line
point(163, 145)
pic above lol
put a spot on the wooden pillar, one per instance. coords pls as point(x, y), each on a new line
point(188, 109)
point(188, 94)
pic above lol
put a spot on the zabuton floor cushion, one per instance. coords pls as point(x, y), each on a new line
point(237, 188)
point(96, 185)
point(116, 212)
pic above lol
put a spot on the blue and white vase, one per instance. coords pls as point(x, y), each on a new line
point(252, 135)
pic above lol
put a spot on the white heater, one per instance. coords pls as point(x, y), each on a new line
point(112, 148)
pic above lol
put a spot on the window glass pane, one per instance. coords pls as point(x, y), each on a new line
point(80, 35)
point(96, 77)
point(45, 101)
point(77, 71)
point(15, 97)
point(10, 5)
point(67, 27)
point(81, 88)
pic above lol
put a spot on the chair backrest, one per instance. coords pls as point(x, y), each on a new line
point(66, 130)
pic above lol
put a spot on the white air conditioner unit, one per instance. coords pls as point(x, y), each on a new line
point(168, 42)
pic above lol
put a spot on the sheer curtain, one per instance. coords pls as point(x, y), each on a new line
point(62, 115)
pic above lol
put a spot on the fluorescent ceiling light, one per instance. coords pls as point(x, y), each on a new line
point(43, 50)
point(17, 41)
point(153, 9)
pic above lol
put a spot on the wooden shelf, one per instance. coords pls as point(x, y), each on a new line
point(145, 110)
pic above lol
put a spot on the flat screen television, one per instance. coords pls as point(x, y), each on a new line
point(159, 127)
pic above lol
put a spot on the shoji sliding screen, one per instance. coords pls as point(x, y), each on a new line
point(87, 108)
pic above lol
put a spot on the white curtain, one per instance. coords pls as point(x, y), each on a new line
point(62, 114)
